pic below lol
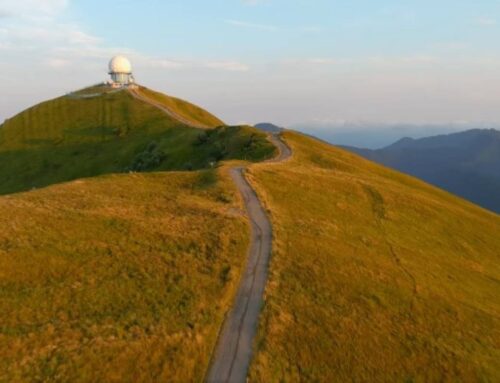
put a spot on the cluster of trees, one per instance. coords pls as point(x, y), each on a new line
point(149, 159)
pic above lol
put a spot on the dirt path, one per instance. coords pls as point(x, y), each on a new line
point(234, 348)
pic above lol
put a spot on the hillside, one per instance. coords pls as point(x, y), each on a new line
point(466, 164)
point(98, 131)
point(120, 278)
point(375, 276)
point(268, 127)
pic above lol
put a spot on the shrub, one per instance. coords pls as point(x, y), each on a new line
point(149, 159)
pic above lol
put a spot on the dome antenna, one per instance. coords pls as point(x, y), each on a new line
point(120, 70)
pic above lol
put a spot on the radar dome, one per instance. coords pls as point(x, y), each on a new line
point(120, 64)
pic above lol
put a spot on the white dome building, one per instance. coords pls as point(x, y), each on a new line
point(120, 71)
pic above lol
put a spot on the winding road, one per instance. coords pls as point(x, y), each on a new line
point(233, 352)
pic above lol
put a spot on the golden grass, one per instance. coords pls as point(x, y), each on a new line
point(121, 278)
point(375, 275)
point(184, 108)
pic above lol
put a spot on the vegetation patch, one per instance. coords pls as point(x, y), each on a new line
point(149, 159)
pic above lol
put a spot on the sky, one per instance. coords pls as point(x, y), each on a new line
point(284, 61)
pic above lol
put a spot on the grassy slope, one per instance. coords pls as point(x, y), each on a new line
point(120, 278)
point(375, 276)
point(73, 137)
point(183, 108)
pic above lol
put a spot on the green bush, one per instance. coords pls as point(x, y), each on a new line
point(149, 159)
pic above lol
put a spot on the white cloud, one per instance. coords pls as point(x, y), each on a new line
point(57, 63)
point(37, 34)
point(372, 61)
point(34, 27)
point(232, 66)
point(31, 8)
point(485, 21)
point(244, 24)
point(76, 36)
point(165, 64)
point(319, 60)
point(402, 60)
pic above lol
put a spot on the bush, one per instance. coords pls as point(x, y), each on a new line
point(202, 138)
point(219, 151)
point(149, 159)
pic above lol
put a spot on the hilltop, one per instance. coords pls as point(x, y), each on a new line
point(466, 163)
point(268, 127)
point(98, 130)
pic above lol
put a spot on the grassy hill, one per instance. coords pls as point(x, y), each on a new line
point(119, 278)
point(466, 163)
point(183, 108)
point(375, 275)
point(98, 131)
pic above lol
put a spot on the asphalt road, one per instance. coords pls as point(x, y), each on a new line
point(233, 352)
point(140, 96)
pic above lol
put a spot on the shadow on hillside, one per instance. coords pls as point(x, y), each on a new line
point(44, 165)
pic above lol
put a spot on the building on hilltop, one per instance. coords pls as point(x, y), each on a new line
point(120, 71)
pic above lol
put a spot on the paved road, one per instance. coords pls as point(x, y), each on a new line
point(284, 150)
point(140, 96)
point(234, 348)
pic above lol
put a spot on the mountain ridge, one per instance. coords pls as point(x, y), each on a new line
point(465, 163)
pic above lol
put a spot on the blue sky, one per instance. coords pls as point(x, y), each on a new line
point(292, 61)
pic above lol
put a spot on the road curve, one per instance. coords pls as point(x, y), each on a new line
point(233, 351)
point(284, 150)
point(234, 347)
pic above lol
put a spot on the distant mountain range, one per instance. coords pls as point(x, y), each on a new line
point(379, 135)
point(466, 163)
point(268, 127)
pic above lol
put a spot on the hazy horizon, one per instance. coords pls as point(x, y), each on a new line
point(288, 62)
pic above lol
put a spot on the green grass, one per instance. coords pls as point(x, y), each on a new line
point(73, 137)
point(375, 276)
point(120, 278)
point(183, 108)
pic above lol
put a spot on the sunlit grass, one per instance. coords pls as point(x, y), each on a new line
point(120, 278)
point(183, 108)
point(375, 276)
